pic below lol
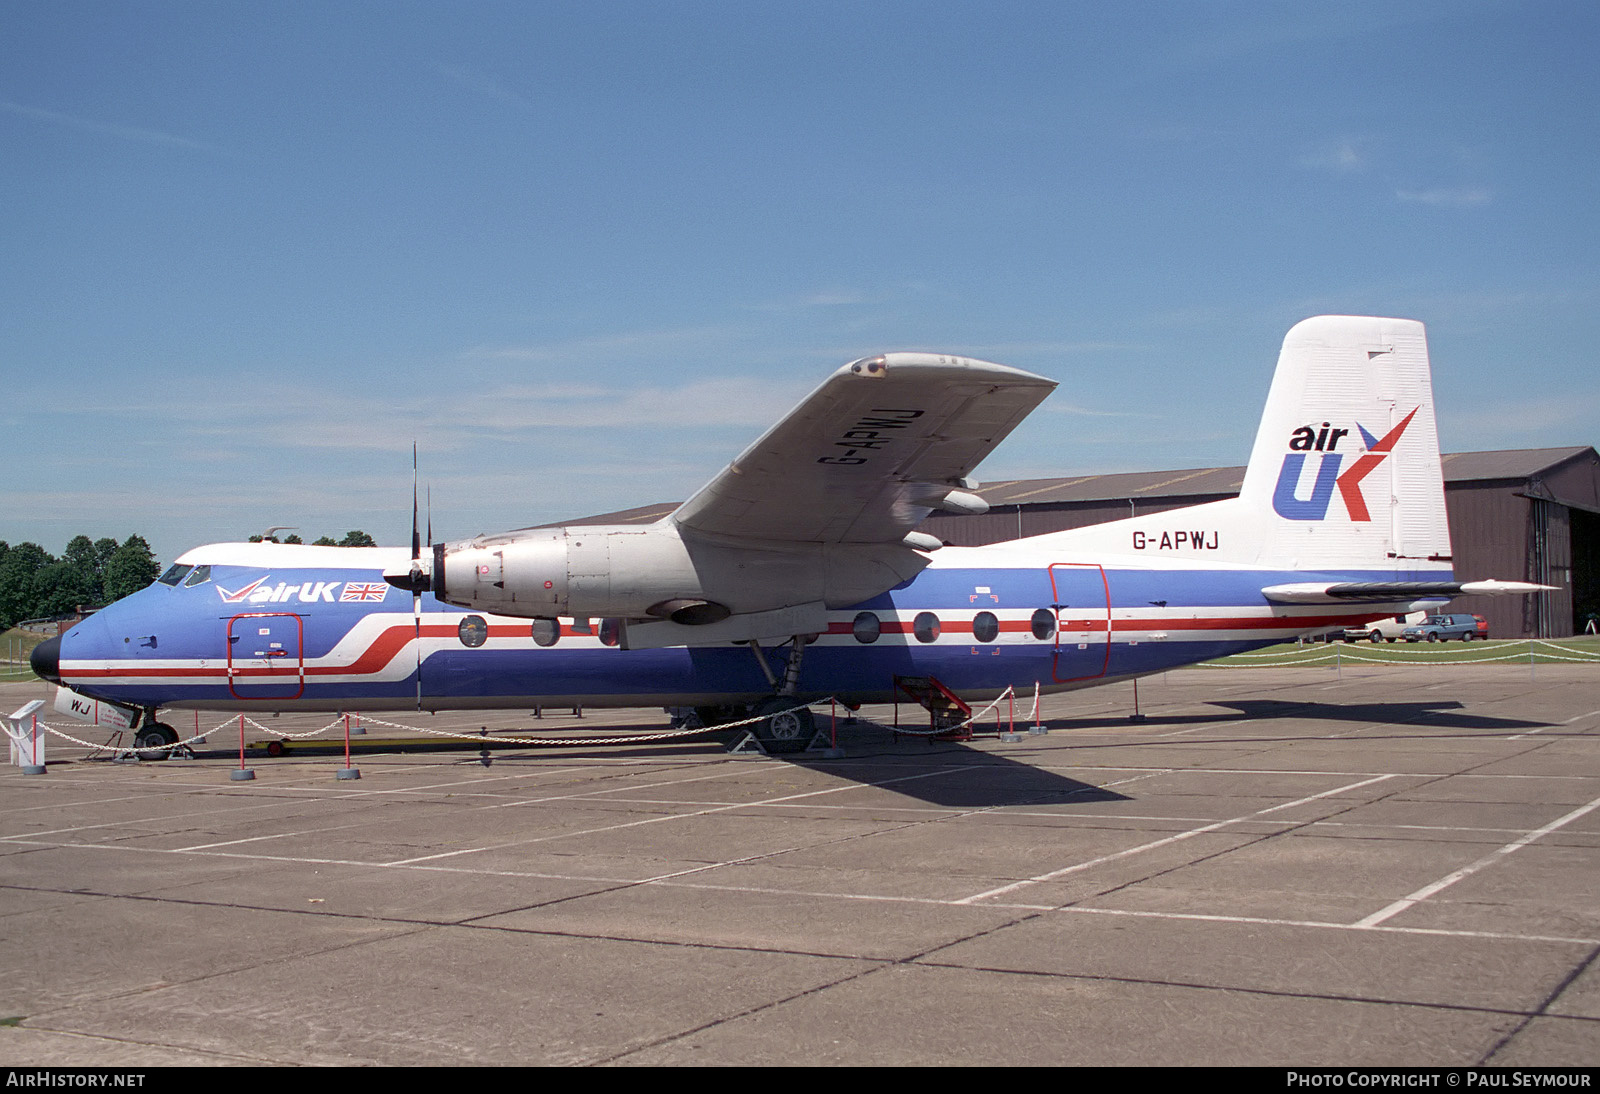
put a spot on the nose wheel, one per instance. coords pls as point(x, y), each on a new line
point(151, 742)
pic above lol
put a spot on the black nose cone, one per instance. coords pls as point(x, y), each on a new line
point(45, 660)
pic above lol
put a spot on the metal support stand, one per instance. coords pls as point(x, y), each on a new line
point(27, 747)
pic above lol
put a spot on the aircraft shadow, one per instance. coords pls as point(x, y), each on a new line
point(949, 774)
point(1423, 714)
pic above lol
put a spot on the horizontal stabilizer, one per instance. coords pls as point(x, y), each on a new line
point(1389, 592)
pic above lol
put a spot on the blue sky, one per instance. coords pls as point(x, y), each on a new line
point(581, 253)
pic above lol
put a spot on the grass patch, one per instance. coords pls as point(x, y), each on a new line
point(1540, 651)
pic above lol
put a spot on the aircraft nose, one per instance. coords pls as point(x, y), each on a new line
point(45, 660)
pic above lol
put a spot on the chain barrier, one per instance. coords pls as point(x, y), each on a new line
point(307, 735)
point(556, 742)
point(1009, 693)
point(122, 751)
point(119, 752)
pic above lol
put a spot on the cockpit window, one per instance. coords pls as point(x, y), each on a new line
point(174, 574)
point(200, 576)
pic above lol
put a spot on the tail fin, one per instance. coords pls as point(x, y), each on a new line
point(1345, 470)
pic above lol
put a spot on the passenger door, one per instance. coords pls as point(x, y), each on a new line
point(1083, 620)
point(266, 657)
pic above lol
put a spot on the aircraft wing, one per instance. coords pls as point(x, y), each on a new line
point(879, 445)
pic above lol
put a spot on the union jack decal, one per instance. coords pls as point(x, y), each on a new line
point(360, 590)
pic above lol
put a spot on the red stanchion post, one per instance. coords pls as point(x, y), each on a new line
point(348, 772)
point(244, 774)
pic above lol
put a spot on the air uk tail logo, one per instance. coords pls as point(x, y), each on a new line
point(1307, 440)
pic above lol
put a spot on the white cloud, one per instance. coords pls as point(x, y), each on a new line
point(1344, 156)
point(483, 84)
point(1458, 197)
point(126, 132)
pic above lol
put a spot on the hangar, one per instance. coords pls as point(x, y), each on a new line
point(1530, 514)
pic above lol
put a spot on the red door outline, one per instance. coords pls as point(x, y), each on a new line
point(1083, 621)
point(266, 665)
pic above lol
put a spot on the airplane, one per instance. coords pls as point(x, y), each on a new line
point(798, 574)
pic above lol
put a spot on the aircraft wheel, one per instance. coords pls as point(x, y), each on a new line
point(788, 731)
point(150, 739)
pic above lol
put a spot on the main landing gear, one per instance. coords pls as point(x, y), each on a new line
point(785, 723)
point(785, 726)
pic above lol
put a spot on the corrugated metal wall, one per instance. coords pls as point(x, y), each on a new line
point(1489, 533)
point(1005, 522)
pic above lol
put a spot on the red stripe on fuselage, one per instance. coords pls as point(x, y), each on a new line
point(392, 640)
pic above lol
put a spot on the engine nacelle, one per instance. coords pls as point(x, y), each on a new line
point(655, 572)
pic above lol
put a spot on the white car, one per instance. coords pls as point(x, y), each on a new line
point(1387, 629)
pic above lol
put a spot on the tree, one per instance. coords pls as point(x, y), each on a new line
point(131, 568)
point(18, 568)
point(60, 588)
point(104, 548)
point(87, 570)
point(357, 539)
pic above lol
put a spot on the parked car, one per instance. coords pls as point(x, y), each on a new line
point(1383, 630)
point(1483, 627)
point(1442, 628)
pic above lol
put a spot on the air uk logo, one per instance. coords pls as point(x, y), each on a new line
point(310, 592)
point(1324, 442)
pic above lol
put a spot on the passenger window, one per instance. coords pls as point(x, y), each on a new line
point(925, 626)
point(866, 627)
point(1043, 624)
point(473, 631)
point(610, 631)
point(985, 627)
point(546, 632)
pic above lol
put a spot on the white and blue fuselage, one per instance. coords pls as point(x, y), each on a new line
point(291, 631)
